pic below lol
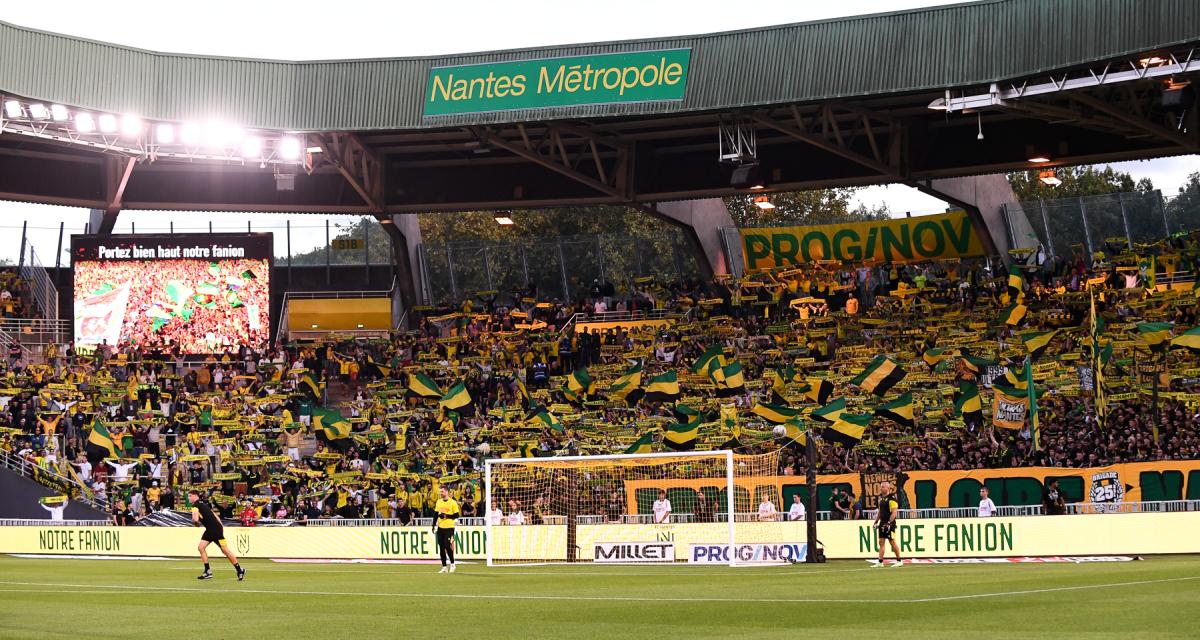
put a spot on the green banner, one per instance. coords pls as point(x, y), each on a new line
point(640, 76)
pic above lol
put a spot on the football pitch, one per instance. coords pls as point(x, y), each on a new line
point(49, 598)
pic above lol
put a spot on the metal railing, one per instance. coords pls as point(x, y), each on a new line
point(1105, 222)
point(281, 330)
point(42, 288)
point(29, 470)
point(46, 522)
point(34, 334)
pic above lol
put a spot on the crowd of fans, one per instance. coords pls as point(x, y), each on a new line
point(261, 427)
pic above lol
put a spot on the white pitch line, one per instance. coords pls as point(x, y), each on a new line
point(90, 588)
point(997, 594)
point(565, 573)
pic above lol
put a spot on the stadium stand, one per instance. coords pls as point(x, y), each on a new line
point(898, 367)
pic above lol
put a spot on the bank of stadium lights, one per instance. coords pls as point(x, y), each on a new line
point(129, 134)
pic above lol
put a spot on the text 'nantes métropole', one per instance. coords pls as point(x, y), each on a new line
point(560, 78)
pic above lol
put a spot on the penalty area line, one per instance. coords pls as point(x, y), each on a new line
point(1081, 587)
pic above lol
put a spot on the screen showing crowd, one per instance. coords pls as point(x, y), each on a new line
point(138, 291)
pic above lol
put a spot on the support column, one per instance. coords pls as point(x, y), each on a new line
point(982, 197)
point(701, 221)
point(405, 231)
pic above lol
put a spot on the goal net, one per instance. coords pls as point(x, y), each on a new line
point(648, 508)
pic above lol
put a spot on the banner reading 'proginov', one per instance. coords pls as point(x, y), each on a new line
point(944, 235)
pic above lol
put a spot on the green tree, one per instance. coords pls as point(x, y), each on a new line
point(1076, 182)
point(376, 243)
point(819, 206)
point(1183, 210)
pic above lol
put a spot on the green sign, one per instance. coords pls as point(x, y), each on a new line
point(642, 76)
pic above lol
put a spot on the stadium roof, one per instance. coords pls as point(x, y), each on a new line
point(901, 52)
point(906, 97)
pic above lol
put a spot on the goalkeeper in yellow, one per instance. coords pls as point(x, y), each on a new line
point(447, 510)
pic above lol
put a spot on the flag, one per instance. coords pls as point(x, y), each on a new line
point(642, 444)
point(682, 437)
point(794, 431)
point(579, 382)
point(214, 269)
point(848, 429)
point(879, 376)
point(178, 292)
point(542, 417)
point(967, 403)
point(663, 388)
point(1097, 326)
point(830, 412)
point(684, 413)
point(1031, 395)
point(773, 413)
point(521, 392)
point(1016, 283)
point(819, 390)
point(423, 386)
point(976, 365)
point(899, 410)
point(632, 379)
point(777, 387)
point(933, 356)
point(1189, 339)
point(100, 443)
point(309, 387)
point(1155, 334)
point(1036, 342)
point(1009, 407)
point(733, 382)
point(330, 423)
point(458, 399)
point(249, 275)
point(1014, 315)
point(704, 362)
point(528, 449)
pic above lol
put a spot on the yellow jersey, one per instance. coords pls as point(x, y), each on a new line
point(447, 510)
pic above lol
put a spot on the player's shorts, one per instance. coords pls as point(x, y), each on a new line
point(214, 535)
point(886, 531)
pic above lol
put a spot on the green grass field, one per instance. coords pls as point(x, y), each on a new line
point(45, 598)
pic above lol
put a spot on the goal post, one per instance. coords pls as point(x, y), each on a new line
point(687, 506)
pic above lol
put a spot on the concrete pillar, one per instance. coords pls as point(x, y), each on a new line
point(983, 198)
point(405, 231)
point(700, 221)
point(101, 222)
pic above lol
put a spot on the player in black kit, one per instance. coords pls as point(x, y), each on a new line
point(214, 531)
point(885, 523)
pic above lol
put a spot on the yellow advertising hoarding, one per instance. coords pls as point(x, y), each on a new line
point(1101, 486)
point(1098, 534)
point(944, 235)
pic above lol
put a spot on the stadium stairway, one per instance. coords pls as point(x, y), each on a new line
point(21, 497)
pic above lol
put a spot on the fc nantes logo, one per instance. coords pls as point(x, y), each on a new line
point(1107, 491)
point(243, 543)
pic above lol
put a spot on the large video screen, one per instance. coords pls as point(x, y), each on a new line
point(202, 293)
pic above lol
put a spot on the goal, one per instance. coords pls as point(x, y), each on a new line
point(602, 509)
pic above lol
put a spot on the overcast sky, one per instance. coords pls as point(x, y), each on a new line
point(303, 30)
